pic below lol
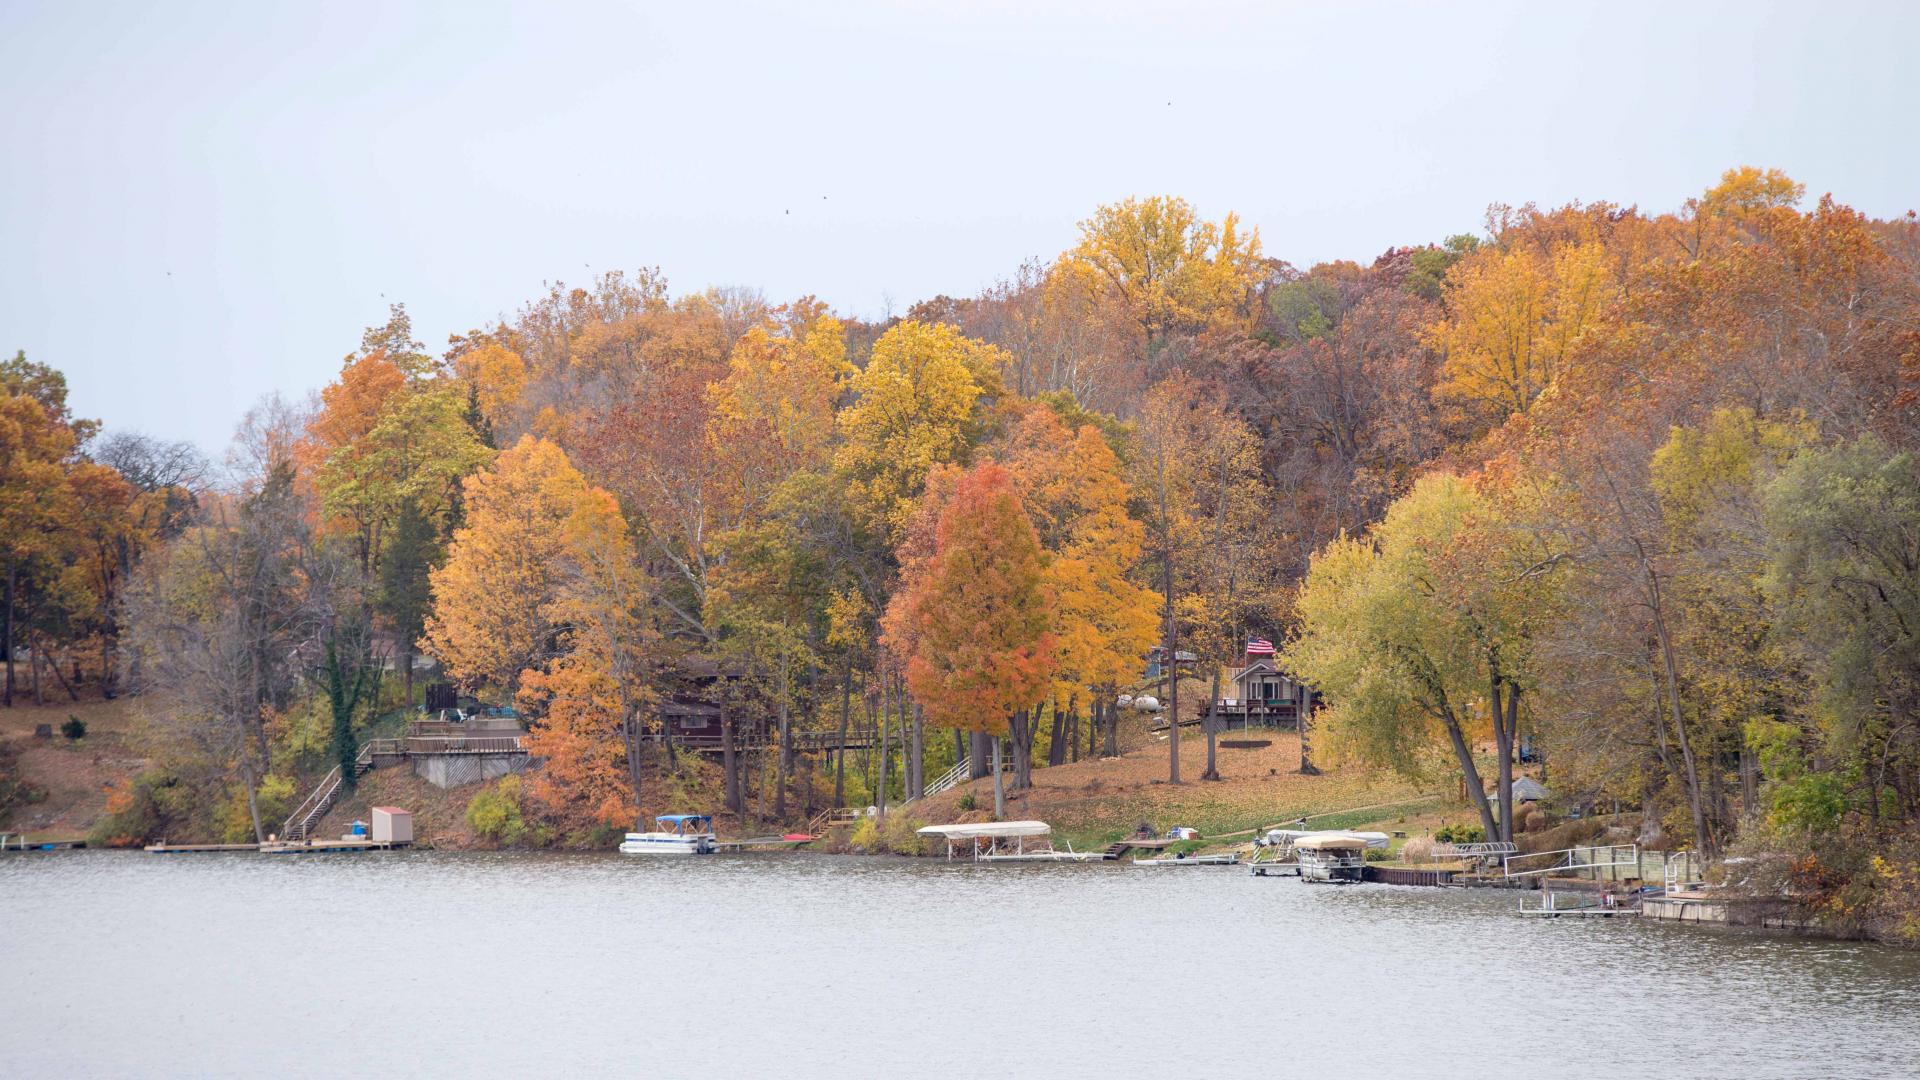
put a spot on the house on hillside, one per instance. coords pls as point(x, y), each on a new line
point(690, 706)
point(1261, 693)
point(1157, 661)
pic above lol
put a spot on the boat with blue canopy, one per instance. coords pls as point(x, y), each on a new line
point(674, 834)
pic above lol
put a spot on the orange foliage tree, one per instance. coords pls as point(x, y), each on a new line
point(984, 649)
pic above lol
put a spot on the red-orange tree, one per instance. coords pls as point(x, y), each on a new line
point(982, 648)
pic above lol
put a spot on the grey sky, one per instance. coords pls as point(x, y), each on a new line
point(200, 203)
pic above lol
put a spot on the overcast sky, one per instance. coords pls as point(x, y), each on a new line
point(202, 203)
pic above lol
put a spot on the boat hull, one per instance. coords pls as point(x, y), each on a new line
point(666, 844)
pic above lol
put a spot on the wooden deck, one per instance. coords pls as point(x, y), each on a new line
point(276, 847)
point(326, 847)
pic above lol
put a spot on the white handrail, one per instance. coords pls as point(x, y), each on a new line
point(1573, 861)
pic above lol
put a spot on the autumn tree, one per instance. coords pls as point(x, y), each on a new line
point(591, 698)
point(494, 614)
point(1076, 492)
point(1405, 652)
point(923, 399)
point(1153, 268)
point(983, 649)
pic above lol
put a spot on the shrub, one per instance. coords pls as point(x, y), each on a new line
point(494, 814)
point(74, 729)
point(137, 813)
point(967, 802)
point(1417, 850)
point(1535, 821)
point(901, 834)
point(234, 821)
point(895, 833)
point(1460, 834)
point(1374, 854)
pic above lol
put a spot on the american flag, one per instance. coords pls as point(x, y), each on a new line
point(1259, 647)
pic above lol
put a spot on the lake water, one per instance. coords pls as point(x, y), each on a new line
point(444, 964)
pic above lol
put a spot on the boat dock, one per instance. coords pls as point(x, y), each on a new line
point(278, 847)
point(772, 842)
point(19, 842)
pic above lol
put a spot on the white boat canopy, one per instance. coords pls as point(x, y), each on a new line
point(989, 830)
point(1330, 842)
point(1292, 837)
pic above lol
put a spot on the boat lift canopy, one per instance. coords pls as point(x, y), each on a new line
point(1004, 841)
point(989, 830)
point(679, 822)
point(1331, 842)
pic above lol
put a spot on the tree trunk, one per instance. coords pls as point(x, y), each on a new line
point(1701, 837)
point(6, 635)
point(999, 785)
point(1213, 729)
point(1173, 669)
point(979, 760)
point(1476, 792)
point(727, 758)
point(918, 754)
point(1073, 727)
point(33, 669)
point(634, 739)
point(1749, 781)
point(840, 755)
point(1020, 734)
point(54, 666)
point(786, 749)
point(1111, 710)
point(1503, 742)
point(886, 763)
point(1057, 743)
point(1305, 723)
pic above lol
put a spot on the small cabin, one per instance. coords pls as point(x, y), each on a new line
point(1261, 693)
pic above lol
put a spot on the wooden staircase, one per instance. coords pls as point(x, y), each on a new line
point(947, 780)
point(299, 824)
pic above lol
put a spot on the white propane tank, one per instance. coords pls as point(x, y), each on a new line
point(1147, 703)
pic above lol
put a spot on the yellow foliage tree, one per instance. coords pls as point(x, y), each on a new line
point(590, 699)
point(1516, 319)
point(920, 403)
point(494, 600)
point(1156, 269)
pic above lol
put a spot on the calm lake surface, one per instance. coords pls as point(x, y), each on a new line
point(444, 964)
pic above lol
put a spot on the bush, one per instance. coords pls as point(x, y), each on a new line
point(1375, 854)
point(495, 814)
point(1417, 850)
point(74, 729)
point(902, 836)
point(234, 821)
point(1535, 821)
point(966, 801)
point(140, 812)
point(896, 833)
point(1460, 834)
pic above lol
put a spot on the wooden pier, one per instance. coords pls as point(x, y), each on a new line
point(772, 842)
point(277, 847)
